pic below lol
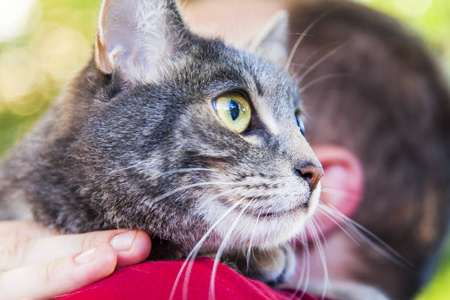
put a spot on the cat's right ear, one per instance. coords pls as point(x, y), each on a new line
point(272, 41)
point(139, 39)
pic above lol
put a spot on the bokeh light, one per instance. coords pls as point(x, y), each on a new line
point(413, 7)
point(15, 16)
point(20, 76)
point(43, 43)
point(63, 50)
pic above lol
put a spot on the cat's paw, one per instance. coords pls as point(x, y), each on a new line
point(272, 266)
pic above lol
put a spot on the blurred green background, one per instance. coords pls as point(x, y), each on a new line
point(43, 43)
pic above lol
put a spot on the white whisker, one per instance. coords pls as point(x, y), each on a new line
point(221, 249)
point(196, 249)
point(370, 238)
point(319, 61)
point(183, 188)
point(185, 170)
point(335, 190)
point(255, 228)
point(337, 223)
point(318, 219)
point(302, 36)
point(319, 247)
point(320, 79)
point(237, 30)
point(302, 284)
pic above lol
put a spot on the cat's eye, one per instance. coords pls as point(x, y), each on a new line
point(300, 124)
point(234, 111)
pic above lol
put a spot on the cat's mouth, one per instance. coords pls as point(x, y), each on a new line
point(303, 207)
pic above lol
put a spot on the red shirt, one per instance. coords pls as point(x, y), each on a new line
point(155, 280)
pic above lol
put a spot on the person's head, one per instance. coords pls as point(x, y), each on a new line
point(371, 89)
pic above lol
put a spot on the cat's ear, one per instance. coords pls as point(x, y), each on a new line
point(272, 41)
point(138, 39)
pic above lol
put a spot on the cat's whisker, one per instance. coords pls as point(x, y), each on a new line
point(298, 65)
point(337, 223)
point(319, 240)
point(196, 249)
point(237, 29)
point(222, 248)
point(334, 190)
point(308, 265)
point(255, 228)
point(124, 169)
point(302, 36)
point(319, 246)
point(369, 238)
point(320, 79)
point(305, 61)
point(317, 220)
point(185, 170)
point(303, 280)
point(320, 61)
point(348, 194)
point(187, 187)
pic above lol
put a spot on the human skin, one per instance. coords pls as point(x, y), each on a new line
point(52, 264)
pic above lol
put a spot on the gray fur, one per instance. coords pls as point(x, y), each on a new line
point(110, 149)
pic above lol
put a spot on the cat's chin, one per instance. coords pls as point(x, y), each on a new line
point(265, 231)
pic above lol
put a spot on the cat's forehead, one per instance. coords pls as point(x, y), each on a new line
point(215, 66)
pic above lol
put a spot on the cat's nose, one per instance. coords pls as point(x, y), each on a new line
point(311, 174)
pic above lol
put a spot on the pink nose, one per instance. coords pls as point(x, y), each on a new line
point(311, 173)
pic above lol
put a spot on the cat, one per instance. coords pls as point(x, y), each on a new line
point(193, 141)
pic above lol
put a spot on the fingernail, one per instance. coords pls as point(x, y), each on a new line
point(123, 241)
point(86, 257)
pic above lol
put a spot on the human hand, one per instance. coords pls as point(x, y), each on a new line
point(37, 263)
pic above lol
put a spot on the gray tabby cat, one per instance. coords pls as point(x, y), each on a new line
point(176, 135)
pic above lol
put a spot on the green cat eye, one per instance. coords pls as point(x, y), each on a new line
point(234, 111)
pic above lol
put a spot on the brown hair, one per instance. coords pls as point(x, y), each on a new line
point(379, 93)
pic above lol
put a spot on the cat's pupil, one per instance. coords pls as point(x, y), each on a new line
point(234, 110)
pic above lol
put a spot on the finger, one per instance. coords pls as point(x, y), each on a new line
point(131, 246)
point(59, 276)
point(10, 230)
point(138, 252)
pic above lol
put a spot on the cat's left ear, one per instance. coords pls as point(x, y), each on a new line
point(272, 41)
point(140, 40)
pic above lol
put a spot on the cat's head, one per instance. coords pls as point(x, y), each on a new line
point(186, 134)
